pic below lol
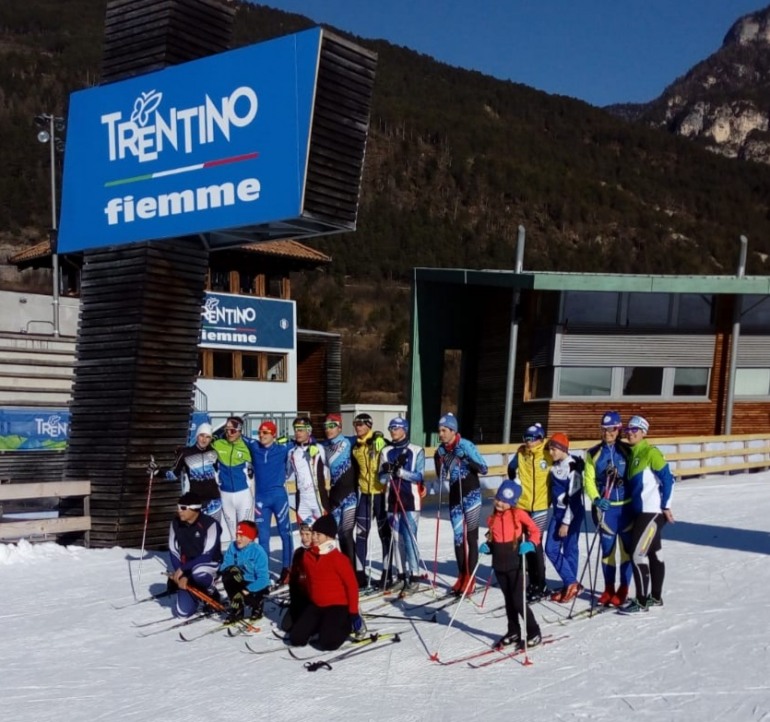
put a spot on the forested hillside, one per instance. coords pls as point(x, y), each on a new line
point(456, 161)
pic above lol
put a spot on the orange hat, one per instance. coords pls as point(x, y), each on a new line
point(559, 441)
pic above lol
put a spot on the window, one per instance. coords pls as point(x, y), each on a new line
point(755, 311)
point(585, 381)
point(220, 281)
point(243, 365)
point(752, 382)
point(591, 307)
point(540, 382)
point(642, 381)
point(694, 311)
point(648, 309)
point(691, 382)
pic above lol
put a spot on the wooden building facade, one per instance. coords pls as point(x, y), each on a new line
point(659, 346)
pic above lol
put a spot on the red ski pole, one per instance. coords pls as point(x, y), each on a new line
point(152, 469)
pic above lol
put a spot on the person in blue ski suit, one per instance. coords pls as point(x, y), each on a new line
point(604, 480)
point(402, 468)
point(459, 463)
point(270, 463)
point(245, 574)
point(561, 545)
point(342, 493)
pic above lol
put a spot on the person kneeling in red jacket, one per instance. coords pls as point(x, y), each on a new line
point(333, 591)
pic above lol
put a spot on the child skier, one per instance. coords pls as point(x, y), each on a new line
point(298, 595)
point(561, 545)
point(506, 543)
point(245, 573)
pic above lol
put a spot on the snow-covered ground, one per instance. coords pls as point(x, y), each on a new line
point(68, 654)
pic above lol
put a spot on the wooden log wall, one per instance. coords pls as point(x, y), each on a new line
point(137, 348)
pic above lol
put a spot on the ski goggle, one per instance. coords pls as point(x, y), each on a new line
point(185, 507)
point(331, 425)
point(303, 427)
point(529, 437)
point(633, 430)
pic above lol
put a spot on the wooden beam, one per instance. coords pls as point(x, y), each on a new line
point(37, 527)
point(44, 490)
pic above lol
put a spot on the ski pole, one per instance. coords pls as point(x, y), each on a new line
point(152, 469)
point(585, 566)
point(438, 521)
point(524, 608)
point(434, 657)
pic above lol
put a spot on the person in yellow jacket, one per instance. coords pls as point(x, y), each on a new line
point(367, 446)
point(529, 468)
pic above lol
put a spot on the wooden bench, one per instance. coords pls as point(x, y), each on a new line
point(13, 528)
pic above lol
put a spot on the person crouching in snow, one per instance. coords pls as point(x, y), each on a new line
point(333, 590)
point(507, 545)
point(195, 551)
point(245, 573)
point(561, 545)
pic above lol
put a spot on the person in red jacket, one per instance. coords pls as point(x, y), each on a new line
point(507, 544)
point(333, 591)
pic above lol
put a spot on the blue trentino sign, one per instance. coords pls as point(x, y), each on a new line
point(214, 144)
point(246, 322)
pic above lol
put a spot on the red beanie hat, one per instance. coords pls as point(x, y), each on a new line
point(269, 426)
point(247, 528)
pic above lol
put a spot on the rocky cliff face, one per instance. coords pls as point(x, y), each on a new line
point(724, 101)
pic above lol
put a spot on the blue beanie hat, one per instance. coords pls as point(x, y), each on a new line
point(535, 430)
point(449, 421)
point(509, 492)
point(399, 423)
point(611, 419)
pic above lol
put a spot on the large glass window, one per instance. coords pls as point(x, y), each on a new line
point(648, 309)
point(642, 381)
point(575, 381)
point(590, 307)
point(695, 311)
point(755, 312)
point(752, 382)
point(691, 382)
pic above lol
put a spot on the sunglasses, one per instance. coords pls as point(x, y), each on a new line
point(185, 507)
point(633, 430)
point(231, 431)
point(531, 438)
point(331, 425)
point(360, 423)
point(265, 432)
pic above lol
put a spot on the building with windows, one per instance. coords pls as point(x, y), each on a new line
point(252, 357)
point(584, 343)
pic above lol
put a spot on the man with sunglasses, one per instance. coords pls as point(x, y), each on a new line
point(367, 446)
point(236, 484)
point(342, 492)
point(307, 466)
point(651, 486)
point(604, 481)
point(195, 551)
point(530, 467)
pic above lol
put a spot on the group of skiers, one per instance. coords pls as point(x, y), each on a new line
point(349, 484)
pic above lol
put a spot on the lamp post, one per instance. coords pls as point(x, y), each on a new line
point(49, 125)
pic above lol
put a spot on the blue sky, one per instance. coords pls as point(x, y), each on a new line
point(601, 51)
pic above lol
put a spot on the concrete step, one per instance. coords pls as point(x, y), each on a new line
point(29, 356)
point(35, 381)
point(36, 367)
point(31, 396)
point(37, 343)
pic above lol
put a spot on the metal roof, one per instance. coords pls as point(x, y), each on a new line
point(557, 281)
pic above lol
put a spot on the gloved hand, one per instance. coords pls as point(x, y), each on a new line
point(152, 467)
point(386, 468)
point(601, 503)
point(485, 548)
point(357, 624)
point(170, 475)
point(526, 547)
